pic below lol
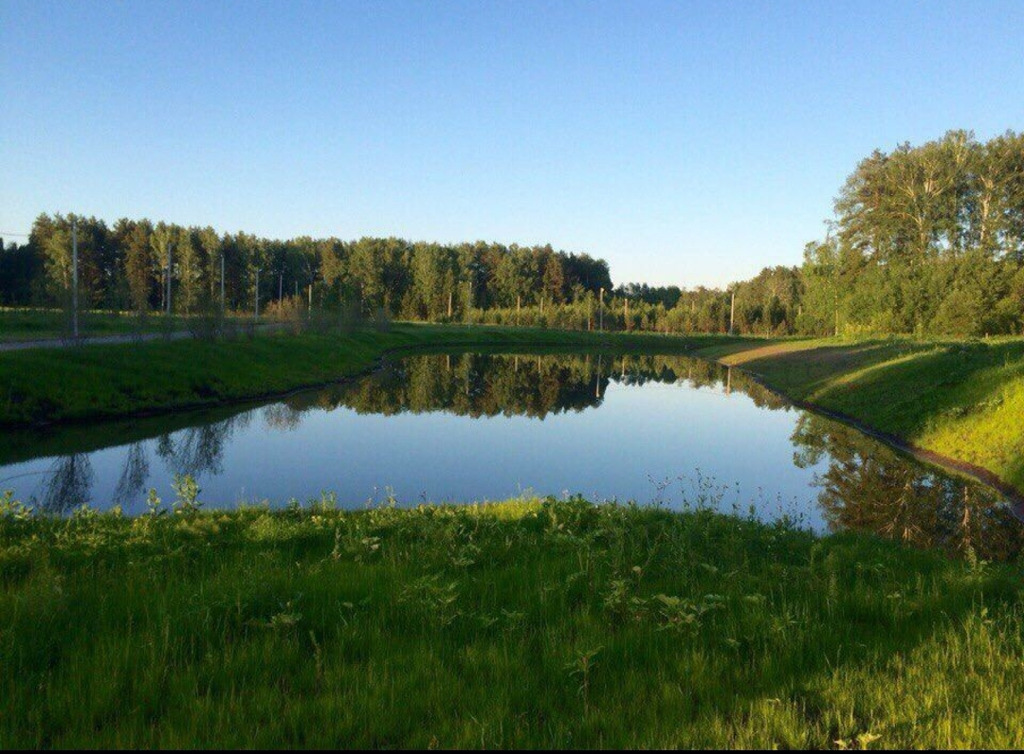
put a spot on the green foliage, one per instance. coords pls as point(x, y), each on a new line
point(187, 490)
point(929, 240)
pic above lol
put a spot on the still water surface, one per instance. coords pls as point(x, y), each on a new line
point(668, 430)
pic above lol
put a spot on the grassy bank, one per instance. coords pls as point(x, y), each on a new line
point(520, 624)
point(964, 400)
point(104, 381)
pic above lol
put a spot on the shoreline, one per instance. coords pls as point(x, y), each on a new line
point(530, 339)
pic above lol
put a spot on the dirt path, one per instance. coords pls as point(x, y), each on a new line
point(96, 340)
point(88, 341)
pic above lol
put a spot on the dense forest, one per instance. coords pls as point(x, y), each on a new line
point(926, 240)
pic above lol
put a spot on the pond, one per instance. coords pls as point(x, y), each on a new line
point(665, 430)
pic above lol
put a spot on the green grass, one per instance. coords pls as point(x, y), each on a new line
point(105, 381)
point(523, 624)
point(962, 399)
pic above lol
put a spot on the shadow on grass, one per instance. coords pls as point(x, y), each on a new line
point(913, 391)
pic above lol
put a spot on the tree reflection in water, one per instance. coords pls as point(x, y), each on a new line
point(132, 482)
point(870, 487)
point(68, 484)
point(200, 450)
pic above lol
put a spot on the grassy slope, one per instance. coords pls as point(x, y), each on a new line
point(511, 625)
point(963, 400)
point(116, 380)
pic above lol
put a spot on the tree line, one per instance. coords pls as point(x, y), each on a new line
point(126, 267)
point(924, 240)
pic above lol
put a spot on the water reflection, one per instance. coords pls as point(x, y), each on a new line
point(869, 487)
point(199, 450)
point(480, 385)
point(131, 484)
point(68, 483)
point(314, 440)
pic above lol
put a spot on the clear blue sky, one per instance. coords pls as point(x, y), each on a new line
point(685, 142)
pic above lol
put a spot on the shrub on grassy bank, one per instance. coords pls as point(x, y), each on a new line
point(527, 623)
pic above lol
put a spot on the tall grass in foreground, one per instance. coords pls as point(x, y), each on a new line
point(526, 623)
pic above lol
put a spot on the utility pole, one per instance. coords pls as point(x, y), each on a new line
point(222, 309)
point(257, 294)
point(626, 320)
point(74, 277)
point(169, 247)
point(600, 312)
point(280, 287)
point(732, 313)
